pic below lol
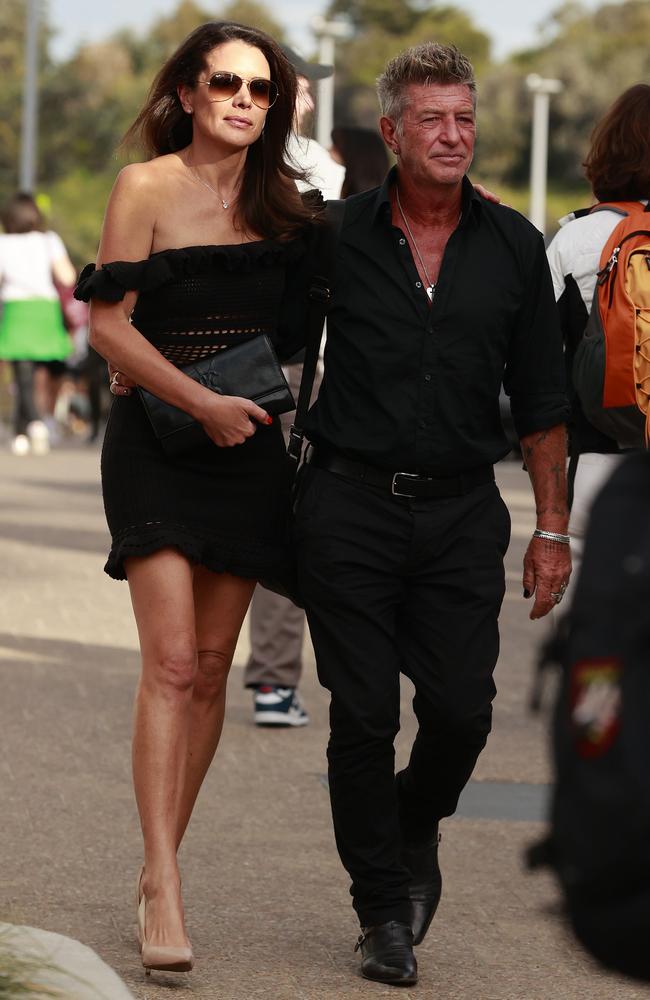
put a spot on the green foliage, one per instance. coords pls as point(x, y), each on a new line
point(88, 101)
point(254, 14)
point(169, 32)
point(382, 28)
point(86, 105)
point(78, 200)
point(596, 54)
point(395, 17)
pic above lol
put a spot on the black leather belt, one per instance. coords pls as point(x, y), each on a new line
point(412, 485)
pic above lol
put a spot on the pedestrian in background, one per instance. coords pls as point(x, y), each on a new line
point(196, 247)
point(277, 627)
point(362, 152)
point(33, 260)
point(618, 168)
point(400, 530)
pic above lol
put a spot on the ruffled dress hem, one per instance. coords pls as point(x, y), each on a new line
point(253, 560)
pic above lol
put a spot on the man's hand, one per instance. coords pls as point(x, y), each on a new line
point(547, 568)
point(547, 563)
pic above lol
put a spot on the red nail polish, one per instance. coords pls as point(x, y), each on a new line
point(269, 420)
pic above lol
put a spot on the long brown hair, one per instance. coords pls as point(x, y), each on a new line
point(269, 203)
point(618, 162)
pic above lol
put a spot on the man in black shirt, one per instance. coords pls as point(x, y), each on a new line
point(400, 530)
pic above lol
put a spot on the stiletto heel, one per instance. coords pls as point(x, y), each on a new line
point(138, 897)
point(162, 958)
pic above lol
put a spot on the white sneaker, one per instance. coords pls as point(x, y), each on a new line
point(20, 445)
point(39, 437)
point(278, 706)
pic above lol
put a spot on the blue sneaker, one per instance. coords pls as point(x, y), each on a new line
point(278, 706)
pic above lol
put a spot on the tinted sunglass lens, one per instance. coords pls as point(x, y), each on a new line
point(224, 85)
point(263, 93)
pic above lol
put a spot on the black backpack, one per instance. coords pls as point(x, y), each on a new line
point(599, 841)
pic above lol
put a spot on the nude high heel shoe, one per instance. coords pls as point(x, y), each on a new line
point(162, 958)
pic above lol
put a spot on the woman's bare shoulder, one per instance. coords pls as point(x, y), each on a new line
point(149, 175)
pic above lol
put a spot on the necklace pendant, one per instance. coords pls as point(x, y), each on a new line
point(225, 203)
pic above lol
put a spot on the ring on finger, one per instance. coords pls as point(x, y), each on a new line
point(557, 596)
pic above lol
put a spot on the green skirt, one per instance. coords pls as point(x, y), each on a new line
point(33, 330)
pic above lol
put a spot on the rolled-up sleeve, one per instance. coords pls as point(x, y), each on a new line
point(534, 375)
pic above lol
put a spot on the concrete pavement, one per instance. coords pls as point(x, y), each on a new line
point(267, 904)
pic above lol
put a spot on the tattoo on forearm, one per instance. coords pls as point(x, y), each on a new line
point(532, 445)
point(558, 472)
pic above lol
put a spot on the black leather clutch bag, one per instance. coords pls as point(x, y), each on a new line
point(251, 370)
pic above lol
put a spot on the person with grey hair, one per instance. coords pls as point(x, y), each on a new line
point(400, 531)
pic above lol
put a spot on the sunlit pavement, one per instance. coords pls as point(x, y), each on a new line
point(267, 903)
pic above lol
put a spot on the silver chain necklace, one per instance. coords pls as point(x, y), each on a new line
point(430, 284)
point(225, 204)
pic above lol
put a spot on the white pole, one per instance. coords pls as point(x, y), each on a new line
point(539, 161)
point(325, 116)
point(30, 100)
point(327, 32)
point(542, 89)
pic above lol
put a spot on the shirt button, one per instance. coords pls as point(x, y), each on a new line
point(418, 284)
point(402, 242)
point(427, 378)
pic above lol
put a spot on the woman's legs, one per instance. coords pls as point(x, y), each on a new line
point(220, 604)
point(162, 597)
point(188, 622)
point(25, 409)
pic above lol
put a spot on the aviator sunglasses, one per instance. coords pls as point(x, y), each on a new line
point(264, 93)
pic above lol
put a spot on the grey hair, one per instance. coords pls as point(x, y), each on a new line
point(428, 63)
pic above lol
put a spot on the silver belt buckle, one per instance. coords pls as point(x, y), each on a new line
point(406, 475)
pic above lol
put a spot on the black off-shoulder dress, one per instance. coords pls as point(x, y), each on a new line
point(224, 508)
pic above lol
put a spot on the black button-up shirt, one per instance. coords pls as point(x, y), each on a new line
point(415, 387)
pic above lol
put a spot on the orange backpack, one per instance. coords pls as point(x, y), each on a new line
point(611, 370)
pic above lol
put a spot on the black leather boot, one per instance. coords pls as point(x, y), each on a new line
point(425, 887)
point(387, 954)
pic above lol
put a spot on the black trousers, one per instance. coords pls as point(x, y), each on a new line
point(24, 406)
point(396, 585)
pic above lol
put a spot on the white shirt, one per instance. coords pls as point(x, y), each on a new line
point(26, 265)
point(322, 171)
point(576, 250)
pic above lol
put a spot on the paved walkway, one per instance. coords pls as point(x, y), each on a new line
point(267, 902)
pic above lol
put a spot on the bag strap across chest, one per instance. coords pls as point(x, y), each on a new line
point(320, 292)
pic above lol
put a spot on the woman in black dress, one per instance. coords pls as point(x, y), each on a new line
point(192, 260)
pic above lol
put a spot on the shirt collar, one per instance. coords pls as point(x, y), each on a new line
point(470, 199)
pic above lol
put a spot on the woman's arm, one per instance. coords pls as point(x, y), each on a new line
point(127, 235)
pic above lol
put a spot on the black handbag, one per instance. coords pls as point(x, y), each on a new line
point(286, 584)
point(250, 370)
